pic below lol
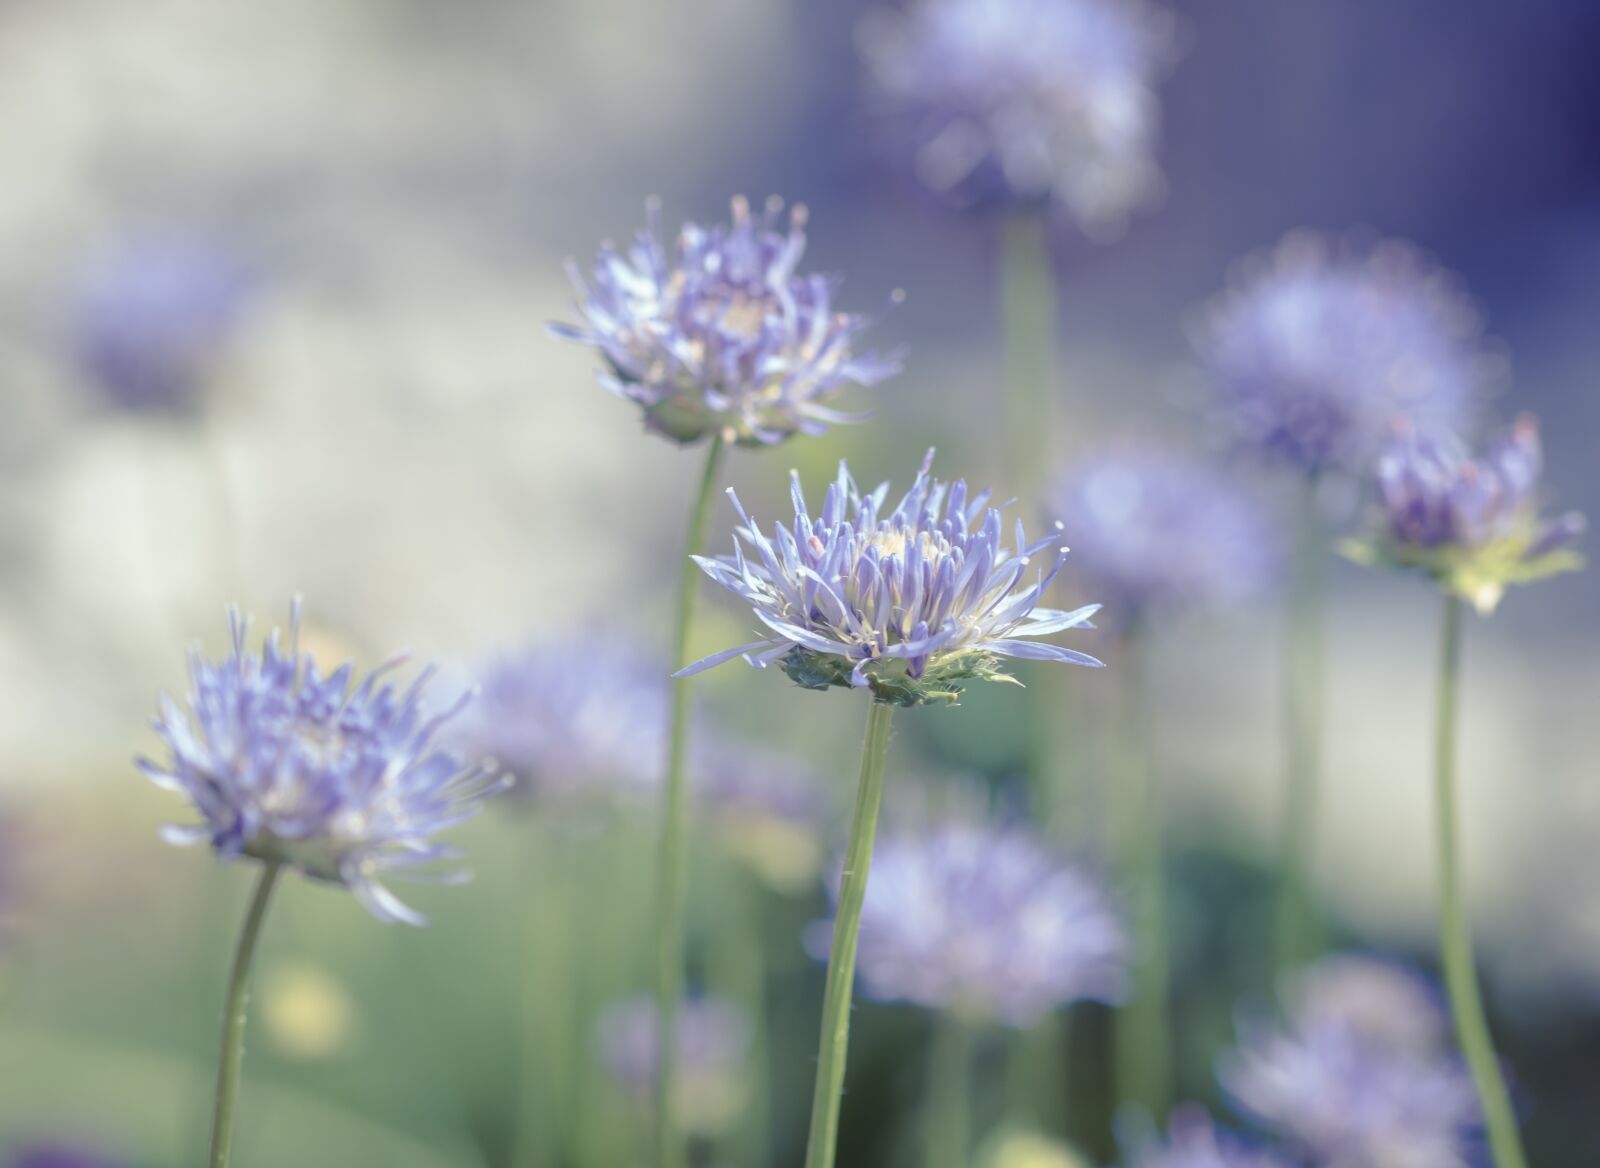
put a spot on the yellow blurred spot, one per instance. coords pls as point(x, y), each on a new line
point(788, 857)
point(1024, 1149)
point(306, 1013)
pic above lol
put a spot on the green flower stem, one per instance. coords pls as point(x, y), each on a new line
point(835, 1039)
point(1142, 1050)
point(1455, 942)
point(949, 1108)
point(1298, 929)
point(231, 1060)
point(673, 871)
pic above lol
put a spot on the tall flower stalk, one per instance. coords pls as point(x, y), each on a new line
point(230, 1062)
point(1298, 931)
point(1142, 1052)
point(1455, 937)
point(1472, 525)
point(672, 872)
point(721, 342)
point(291, 768)
point(948, 1135)
point(909, 605)
point(833, 1045)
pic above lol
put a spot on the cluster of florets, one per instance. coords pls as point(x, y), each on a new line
point(1317, 347)
point(724, 337)
point(1473, 524)
point(1360, 1072)
point(1027, 101)
point(1155, 533)
point(986, 920)
point(911, 603)
point(288, 765)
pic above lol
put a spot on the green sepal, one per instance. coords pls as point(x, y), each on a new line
point(940, 684)
point(1480, 576)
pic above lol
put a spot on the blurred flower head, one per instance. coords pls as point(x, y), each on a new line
point(1027, 101)
point(713, 1044)
point(150, 315)
point(1473, 524)
point(767, 809)
point(1317, 347)
point(570, 718)
point(53, 1154)
point(1194, 1141)
point(985, 919)
point(1360, 1074)
point(1154, 532)
point(284, 764)
point(910, 604)
point(724, 337)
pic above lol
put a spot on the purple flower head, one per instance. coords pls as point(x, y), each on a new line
point(51, 1154)
point(1027, 101)
point(724, 337)
point(1473, 524)
point(1360, 1075)
point(769, 810)
point(1156, 532)
point(151, 314)
point(714, 1038)
point(571, 718)
point(287, 765)
point(911, 603)
point(1194, 1141)
point(985, 919)
point(1316, 348)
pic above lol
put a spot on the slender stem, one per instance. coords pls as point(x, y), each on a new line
point(673, 871)
point(231, 1059)
point(1466, 1002)
point(1142, 1052)
point(842, 955)
point(1298, 928)
point(949, 1115)
point(1028, 324)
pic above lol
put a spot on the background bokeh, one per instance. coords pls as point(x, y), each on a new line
point(388, 430)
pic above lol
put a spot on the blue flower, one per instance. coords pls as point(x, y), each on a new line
point(714, 1037)
point(1027, 101)
point(150, 315)
point(1361, 1072)
point(571, 718)
point(725, 337)
point(1156, 532)
point(1471, 524)
point(985, 919)
point(287, 765)
point(1316, 348)
point(1194, 1141)
point(910, 604)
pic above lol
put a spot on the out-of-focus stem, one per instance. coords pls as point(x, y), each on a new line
point(1142, 1046)
point(949, 1104)
point(1298, 931)
point(231, 1060)
point(673, 872)
point(1455, 940)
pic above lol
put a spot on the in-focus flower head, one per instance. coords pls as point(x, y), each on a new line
point(1360, 1073)
point(150, 315)
point(1195, 1141)
point(343, 782)
point(1155, 532)
point(1027, 101)
point(1473, 524)
point(911, 603)
point(988, 920)
point(714, 1037)
point(1317, 346)
point(571, 717)
point(723, 336)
